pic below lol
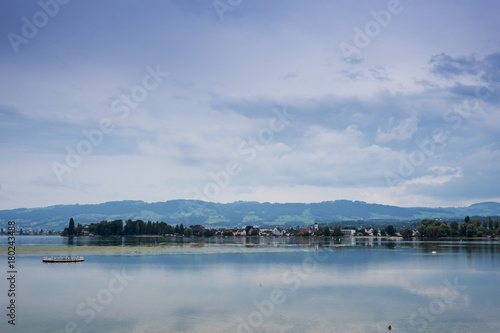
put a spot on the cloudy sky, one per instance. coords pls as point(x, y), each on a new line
point(282, 101)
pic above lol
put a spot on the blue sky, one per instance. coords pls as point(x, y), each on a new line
point(391, 102)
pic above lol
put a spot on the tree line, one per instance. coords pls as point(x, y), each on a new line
point(132, 228)
point(428, 229)
point(434, 229)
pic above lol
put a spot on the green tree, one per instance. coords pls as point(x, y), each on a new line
point(181, 229)
point(248, 229)
point(467, 219)
point(462, 231)
point(407, 233)
point(471, 230)
point(421, 230)
point(444, 230)
point(454, 228)
point(188, 232)
point(71, 227)
point(169, 230)
point(496, 224)
point(432, 232)
point(390, 230)
point(326, 231)
point(142, 227)
point(481, 231)
point(92, 228)
point(425, 224)
point(337, 231)
point(79, 230)
point(490, 223)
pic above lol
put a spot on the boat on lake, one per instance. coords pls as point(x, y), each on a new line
point(63, 259)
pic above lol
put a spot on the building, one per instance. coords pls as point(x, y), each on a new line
point(348, 232)
point(278, 231)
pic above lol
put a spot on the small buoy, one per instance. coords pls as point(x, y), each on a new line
point(433, 252)
point(390, 327)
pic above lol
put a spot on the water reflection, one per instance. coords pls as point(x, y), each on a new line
point(426, 246)
point(325, 285)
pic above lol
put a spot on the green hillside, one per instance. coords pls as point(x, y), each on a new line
point(240, 213)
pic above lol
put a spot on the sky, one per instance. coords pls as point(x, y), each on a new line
point(389, 102)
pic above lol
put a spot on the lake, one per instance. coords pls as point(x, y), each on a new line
point(252, 285)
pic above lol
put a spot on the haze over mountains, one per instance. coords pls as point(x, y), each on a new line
point(240, 213)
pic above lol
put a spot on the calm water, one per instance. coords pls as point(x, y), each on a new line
point(277, 285)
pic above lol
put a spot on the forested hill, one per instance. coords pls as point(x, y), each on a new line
point(238, 213)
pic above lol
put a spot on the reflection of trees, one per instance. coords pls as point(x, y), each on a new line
point(427, 247)
point(326, 242)
point(303, 240)
point(493, 248)
point(252, 241)
point(469, 248)
point(390, 245)
point(406, 245)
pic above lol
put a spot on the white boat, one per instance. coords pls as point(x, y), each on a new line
point(63, 259)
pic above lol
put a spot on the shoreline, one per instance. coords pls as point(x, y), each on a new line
point(269, 237)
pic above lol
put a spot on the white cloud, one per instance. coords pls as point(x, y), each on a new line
point(442, 175)
point(401, 132)
point(354, 116)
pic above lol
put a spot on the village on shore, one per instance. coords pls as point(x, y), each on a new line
point(428, 229)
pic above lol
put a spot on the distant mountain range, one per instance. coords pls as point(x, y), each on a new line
point(240, 213)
